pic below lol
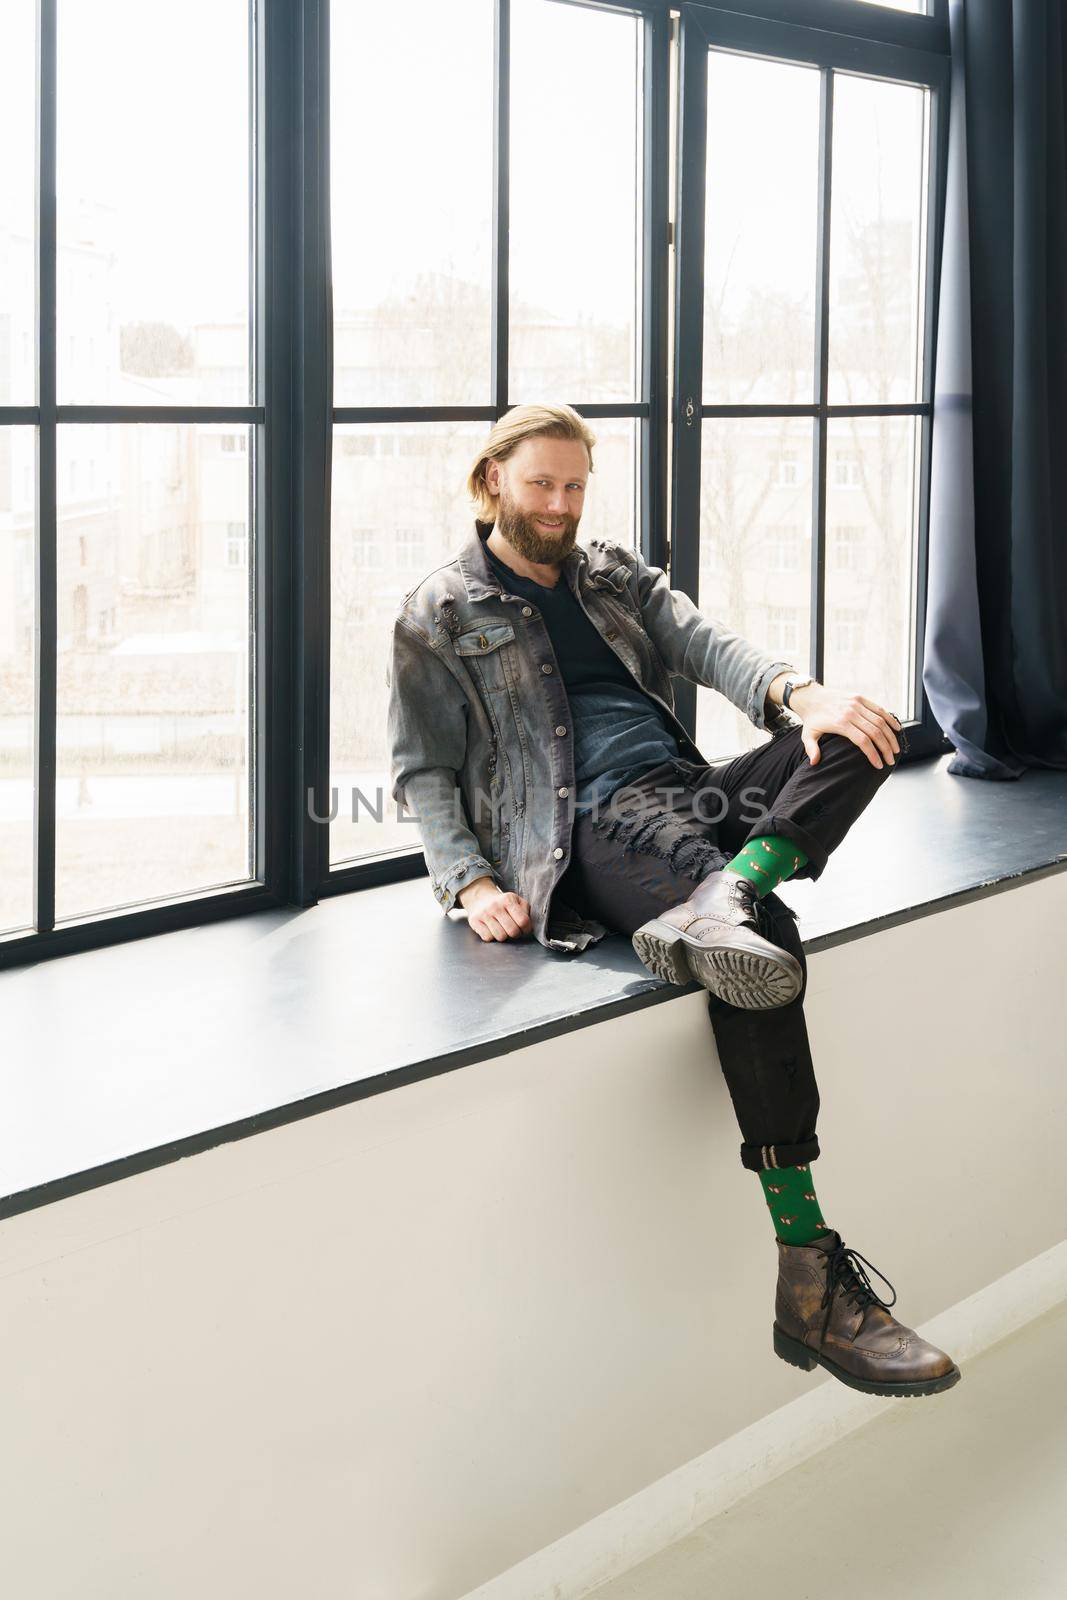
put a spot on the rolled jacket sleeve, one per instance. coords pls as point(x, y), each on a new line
point(427, 735)
point(705, 651)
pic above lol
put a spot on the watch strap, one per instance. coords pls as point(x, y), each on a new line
point(790, 685)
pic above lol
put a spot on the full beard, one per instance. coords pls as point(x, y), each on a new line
point(523, 535)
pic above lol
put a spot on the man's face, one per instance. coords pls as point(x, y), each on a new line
point(541, 491)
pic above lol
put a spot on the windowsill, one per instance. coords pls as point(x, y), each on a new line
point(149, 1051)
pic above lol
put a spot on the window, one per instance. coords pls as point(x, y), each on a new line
point(138, 253)
point(236, 544)
point(783, 630)
point(409, 548)
point(847, 548)
point(807, 249)
point(453, 318)
point(846, 469)
point(218, 499)
point(846, 628)
point(366, 548)
point(783, 550)
point(356, 445)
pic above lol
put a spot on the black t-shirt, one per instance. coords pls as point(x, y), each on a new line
point(619, 730)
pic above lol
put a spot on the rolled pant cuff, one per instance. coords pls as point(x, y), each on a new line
point(786, 828)
point(757, 1157)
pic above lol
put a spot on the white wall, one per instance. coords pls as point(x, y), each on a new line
point(389, 1351)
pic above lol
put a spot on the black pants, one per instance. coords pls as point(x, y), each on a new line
point(647, 848)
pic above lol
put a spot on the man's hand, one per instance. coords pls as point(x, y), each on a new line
point(495, 913)
point(858, 718)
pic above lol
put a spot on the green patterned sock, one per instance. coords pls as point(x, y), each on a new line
point(767, 861)
point(795, 1211)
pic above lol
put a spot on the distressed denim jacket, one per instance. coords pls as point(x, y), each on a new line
point(479, 724)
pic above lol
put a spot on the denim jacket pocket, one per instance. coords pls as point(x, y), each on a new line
point(481, 641)
point(481, 651)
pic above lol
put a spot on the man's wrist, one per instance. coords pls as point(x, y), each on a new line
point(777, 685)
point(801, 697)
point(797, 699)
point(474, 890)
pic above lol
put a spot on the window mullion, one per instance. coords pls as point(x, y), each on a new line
point(44, 828)
point(822, 376)
point(312, 454)
point(501, 203)
point(655, 377)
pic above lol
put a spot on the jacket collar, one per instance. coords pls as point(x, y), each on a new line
point(479, 576)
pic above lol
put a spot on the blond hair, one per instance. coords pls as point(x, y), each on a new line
point(523, 422)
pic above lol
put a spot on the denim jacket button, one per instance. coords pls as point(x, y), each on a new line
point(546, 666)
point(558, 851)
point(561, 730)
point(563, 793)
point(527, 611)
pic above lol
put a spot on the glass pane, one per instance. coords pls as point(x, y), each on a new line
point(153, 203)
point(755, 554)
point(761, 216)
point(17, 536)
point(610, 509)
point(575, 203)
point(153, 733)
point(871, 550)
point(411, 162)
point(400, 510)
point(18, 75)
point(877, 242)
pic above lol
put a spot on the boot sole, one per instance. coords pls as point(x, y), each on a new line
point(661, 949)
point(799, 1355)
point(740, 977)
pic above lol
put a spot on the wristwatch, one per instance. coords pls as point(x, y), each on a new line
point(790, 685)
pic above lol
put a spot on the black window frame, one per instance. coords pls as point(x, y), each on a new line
point(293, 413)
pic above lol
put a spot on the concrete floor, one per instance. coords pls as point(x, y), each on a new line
point(961, 1494)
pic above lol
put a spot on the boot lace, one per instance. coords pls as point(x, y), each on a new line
point(843, 1268)
point(745, 898)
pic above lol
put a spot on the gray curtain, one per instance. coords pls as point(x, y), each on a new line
point(995, 665)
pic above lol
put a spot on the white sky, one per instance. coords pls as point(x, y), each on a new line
point(153, 116)
point(425, 197)
point(152, 120)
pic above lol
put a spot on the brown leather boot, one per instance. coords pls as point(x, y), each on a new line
point(713, 938)
point(827, 1314)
